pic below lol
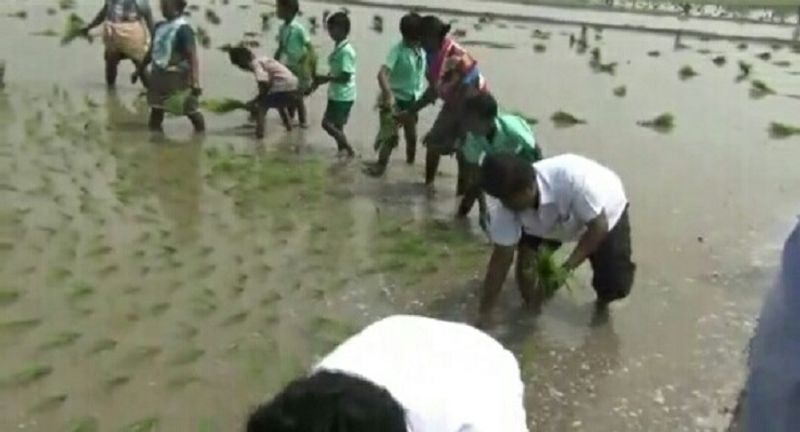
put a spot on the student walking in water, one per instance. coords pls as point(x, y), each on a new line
point(295, 51)
point(402, 81)
point(277, 86)
point(127, 26)
point(341, 80)
point(174, 80)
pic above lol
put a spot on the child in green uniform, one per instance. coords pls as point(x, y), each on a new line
point(342, 79)
point(402, 81)
point(295, 50)
point(491, 132)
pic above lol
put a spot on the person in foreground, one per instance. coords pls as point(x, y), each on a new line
point(560, 199)
point(277, 86)
point(174, 79)
point(127, 25)
point(772, 396)
point(404, 373)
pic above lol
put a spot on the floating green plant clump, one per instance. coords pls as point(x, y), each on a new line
point(549, 275)
point(781, 130)
point(565, 119)
point(663, 123)
point(73, 29)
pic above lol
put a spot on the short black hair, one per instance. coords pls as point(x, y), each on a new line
point(482, 104)
point(340, 19)
point(411, 26)
point(503, 175)
point(330, 401)
point(432, 26)
point(292, 5)
point(240, 55)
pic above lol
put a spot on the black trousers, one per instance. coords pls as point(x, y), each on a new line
point(613, 270)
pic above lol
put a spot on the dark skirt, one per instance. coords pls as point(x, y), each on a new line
point(170, 85)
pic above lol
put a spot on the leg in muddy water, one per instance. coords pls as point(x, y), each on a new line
point(302, 115)
point(612, 266)
point(156, 123)
point(261, 120)
point(198, 121)
point(431, 166)
point(410, 130)
point(339, 136)
point(285, 120)
point(112, 63)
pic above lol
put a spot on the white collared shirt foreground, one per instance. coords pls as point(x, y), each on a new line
point(449, 377)
point(573, 191)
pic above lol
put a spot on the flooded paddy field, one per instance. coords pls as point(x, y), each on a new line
point(172, 284)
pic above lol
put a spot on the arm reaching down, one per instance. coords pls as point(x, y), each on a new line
point(596, 231)
point(496, 273)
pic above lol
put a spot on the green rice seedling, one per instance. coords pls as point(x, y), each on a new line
point(58, 274)
point(212, 17)
point(223, 106)
point(270, 299)
point(565, 119)
point(149, 424)
point(704, 51)
point(17, 326)
point(79, 291)
point(49, 403)
point(539, 48)
point(61, 340)
point(141, 354)
point(186, 356)
point(620, 91)
point(51, 11)
point(26, 376)
point(108, 270)
point(538, 34)
point(742, 46)
point(115, 382)
point(8, 297)
point(66, 4)
point(83, 424)
point(654, 53)
point(203, 37)
point(98, 251)
point(549, 275)
point(782, 63)
point(609, 68)
point(22, 14)
point(73, 29)
point(719, 60)
point(687, 72)
point(662, 123)
point(744, 69)
point(158, 309)
point(234, 319)
point(782, 130)
point(766, 56)
point(759, 89)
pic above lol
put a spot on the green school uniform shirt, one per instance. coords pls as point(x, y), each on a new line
point(342, 60)
point(512, 135)
point(406, 71)
point(294, 38)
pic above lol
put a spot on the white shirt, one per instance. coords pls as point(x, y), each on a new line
point(449, 377)
point(573, 190)
point(269, 70)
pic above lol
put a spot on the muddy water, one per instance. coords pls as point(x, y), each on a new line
point(180, 282)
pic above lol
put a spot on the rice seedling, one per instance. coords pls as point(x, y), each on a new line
point(21, 14)
point(782, 63)
point(203, 37)
point(654, 53)
point(781, 130)
point(61, 340)
point(83, 424)
point(766, 56)
point(158, 309)
point(115, 382)
point(18, 326)
point(719, 60)
point(51, 11)
point(744, 69)
point(270, 299)
point(49, 403)
point(687, 72)
point(141, 354)
point(539, 48)
point(377, 23)
point(759, 89)
point(609, 68)
point(542, 35)
point(223, 106)
point(620, 91)
point(212, 17)
point(73, 29)
point(108, 270)
point(565, 119)
point(186, 356)
point(742, 46)
point(149, 424)
point(98, 251)
point(235, 319)
point(26, 376)
point(662, 123)
point(66, 4)
point(8, 297)
point(549, 275)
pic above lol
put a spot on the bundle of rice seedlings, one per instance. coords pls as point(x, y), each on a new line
point(176, 103)
point(565, 119)
point(687, 72)
point(549, 275)
point(388, 131)
point(73, 29)
point(620, 91)
point(663, 123)
point(212, 17)
point(781, 130)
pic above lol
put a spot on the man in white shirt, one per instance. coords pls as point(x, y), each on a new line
point(404, 374)
point(561, 199)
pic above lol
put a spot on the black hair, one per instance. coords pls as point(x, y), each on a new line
point(432, 26)
point(292, 5)
point(411, 26)
point(482, 104)
point(329, 401)
point(240, 55)
point(503, 175)
point(341, 20)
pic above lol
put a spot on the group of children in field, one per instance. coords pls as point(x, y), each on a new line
point(425, 66)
